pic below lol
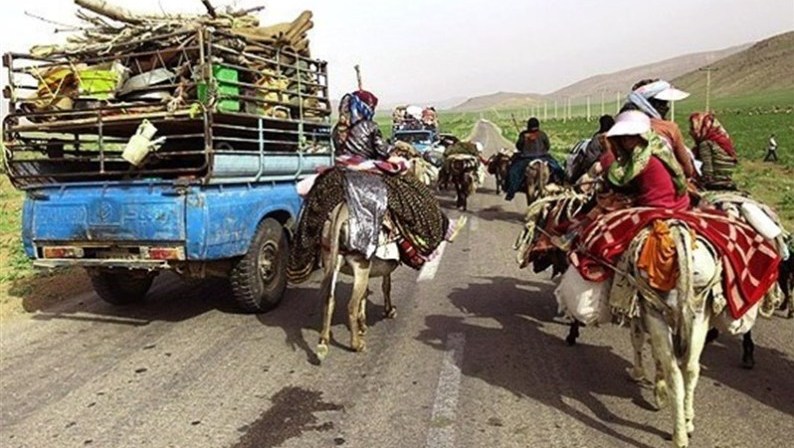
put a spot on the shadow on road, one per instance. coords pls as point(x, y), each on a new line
point(497, 213)
point(521, 362)
point(170, 300)
point(771, 382)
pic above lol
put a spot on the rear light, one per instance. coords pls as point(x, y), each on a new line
point(63, 252)
point(164, 253)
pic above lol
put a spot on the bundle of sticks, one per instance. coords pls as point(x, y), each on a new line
point(108, 29)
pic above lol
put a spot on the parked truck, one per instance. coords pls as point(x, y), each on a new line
point(234, 125)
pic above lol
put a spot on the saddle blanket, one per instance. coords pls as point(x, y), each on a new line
point(750, 262)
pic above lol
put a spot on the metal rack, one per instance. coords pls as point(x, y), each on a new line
point(274, 131)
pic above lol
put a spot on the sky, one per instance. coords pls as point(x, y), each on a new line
point(414, 51)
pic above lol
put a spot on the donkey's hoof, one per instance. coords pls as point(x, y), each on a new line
point(322, 352)
point(390, 313)
point(690, 428)
point(362, 330)
point(748, 362)
point(358, 346)
point(660, 395)
point(790, 314)
point(636, 375)
point(570, 340)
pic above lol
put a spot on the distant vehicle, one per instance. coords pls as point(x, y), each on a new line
point(421, 139)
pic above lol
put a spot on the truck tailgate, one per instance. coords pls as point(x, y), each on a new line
point(113, 214)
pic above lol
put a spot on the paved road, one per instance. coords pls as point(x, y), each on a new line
point(475, 358)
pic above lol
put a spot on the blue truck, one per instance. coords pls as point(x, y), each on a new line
point(215, 196)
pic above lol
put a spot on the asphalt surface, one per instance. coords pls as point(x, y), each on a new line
point(475, 358)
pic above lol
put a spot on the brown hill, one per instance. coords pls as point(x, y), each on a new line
point(767, 66)
point(610, 83)
point(621, 81)
point(499, 100)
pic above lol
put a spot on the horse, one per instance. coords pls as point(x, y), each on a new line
point(462, 172)
point(337, 258)
point(498, 165)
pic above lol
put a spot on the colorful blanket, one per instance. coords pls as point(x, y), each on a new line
point(750, 263)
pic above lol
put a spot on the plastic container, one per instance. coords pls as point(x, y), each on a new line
point(98, 84)
point(225, 77)
point(140, 144)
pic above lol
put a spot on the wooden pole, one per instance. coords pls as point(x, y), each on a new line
point(358, 77)
point(210, 8)
point(555, 110)
point(603, 107)
point(617, 103)
point(588, 107)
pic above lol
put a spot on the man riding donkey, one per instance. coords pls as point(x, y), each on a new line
point(674, 269)
point(533, 147)
point(360, 203)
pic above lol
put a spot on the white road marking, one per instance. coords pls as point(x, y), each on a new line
point(445, 408)
point(428, 271)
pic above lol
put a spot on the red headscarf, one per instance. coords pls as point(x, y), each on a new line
point(367, 97)
point(704, 126)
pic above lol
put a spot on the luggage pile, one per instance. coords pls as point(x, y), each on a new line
point(222, 61)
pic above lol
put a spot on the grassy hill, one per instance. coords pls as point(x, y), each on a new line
point(610, 83)
point(767, 66)
point(499, 100)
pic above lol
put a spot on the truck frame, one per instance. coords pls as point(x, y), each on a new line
point(217, 199)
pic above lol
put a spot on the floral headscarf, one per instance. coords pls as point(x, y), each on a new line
point(704, 126)
point(629, 165)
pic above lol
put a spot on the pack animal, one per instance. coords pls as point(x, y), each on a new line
point(463, 174)
point(498, 166)
point(337, 258)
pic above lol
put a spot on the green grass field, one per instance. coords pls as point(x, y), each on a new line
point(749, 120)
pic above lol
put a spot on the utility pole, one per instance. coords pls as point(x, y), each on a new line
point(708, 71)
point(588, 107)
point(603, 110)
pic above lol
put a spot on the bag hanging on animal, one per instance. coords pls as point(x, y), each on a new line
point(583, 300)
point(762, 223)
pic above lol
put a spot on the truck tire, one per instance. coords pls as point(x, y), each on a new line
point(259, 278)
point(120, 287)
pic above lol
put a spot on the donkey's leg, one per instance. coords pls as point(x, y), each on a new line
point(700, 327)
point(573, 333)
point(389, 311)
point(361, 269)
point(661, 342)
point(637, 371)
point(328, 292)
point(748, 350)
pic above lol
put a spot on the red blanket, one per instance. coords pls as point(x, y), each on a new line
point(750, 263)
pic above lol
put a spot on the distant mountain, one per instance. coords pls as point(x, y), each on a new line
point(499, 100)
point(767, 66)
point(610, 83)
point(621, 81)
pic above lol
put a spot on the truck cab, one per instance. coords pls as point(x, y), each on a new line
point(212, 194)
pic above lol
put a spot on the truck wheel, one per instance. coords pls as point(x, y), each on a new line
point(259, 278)
point(120, 287)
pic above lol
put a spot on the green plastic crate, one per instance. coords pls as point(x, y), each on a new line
point(97, 84)
point(224, 76)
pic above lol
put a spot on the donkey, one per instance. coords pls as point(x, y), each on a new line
point(463, 174)
point(338, 259)
point(537, 179)
point(499, 165)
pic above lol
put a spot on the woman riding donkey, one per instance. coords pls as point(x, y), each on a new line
point(358, 205)
point(673, 270)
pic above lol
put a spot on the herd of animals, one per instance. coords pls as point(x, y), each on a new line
point(677, 328)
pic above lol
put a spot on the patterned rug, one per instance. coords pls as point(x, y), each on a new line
point(750, 262)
